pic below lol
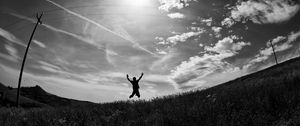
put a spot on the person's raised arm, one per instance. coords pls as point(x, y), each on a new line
point(128, 77)
point(141, 76)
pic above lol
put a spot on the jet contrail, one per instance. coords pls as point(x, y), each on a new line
point(101, 26)
point(58, 30)
point(9, 36)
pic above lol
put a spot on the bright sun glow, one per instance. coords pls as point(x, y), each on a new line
point(137, 2)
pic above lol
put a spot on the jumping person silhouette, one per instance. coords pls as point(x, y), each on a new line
point(135, 85)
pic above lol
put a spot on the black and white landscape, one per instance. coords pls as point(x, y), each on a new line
point(205, 62)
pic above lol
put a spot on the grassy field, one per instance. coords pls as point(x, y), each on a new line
point(267, 97)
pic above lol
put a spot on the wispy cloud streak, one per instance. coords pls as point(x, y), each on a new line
point(7, 35)
point(58, 30)
point(101, 26)
point(40, 44)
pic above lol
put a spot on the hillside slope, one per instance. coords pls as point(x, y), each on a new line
point(35, 97)
point(40, 95)
point(8, 98)
point(267, 97)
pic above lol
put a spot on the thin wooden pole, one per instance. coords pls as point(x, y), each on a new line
point(299, 52)
point(39, 17)
point(274, 52)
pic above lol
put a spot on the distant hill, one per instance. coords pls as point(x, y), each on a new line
point(40, 95)
point(8, 98)
point(268, 97)
point(35, 97)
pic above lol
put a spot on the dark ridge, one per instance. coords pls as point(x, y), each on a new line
point(38, 94)
point(35, 97)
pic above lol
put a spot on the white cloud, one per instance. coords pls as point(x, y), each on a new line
point(279, 46)
point(217, 31)
point(196, 29)
point(43, 63)
point(201, 45)
point(13, 52)
point(199, 67)
point(207, 21)
point(39, 43)
point(276, 40)
point(173, 40)
point(293, 36)
point(167, 5)
point(176, 15)
point(159, 38)
point(182, 37)
point(49, 69)
point(155, 78)
point(9, 36)
point(265, 11)
point(8, 57)
point(162, 52)
point(227, 45)
point(228, 22)
point(195, 84)
point(163, 64)
point(195, 67)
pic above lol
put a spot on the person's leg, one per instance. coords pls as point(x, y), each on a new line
point(132, 94)
point(137, 93)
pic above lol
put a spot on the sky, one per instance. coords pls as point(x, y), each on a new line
point(83, 50)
